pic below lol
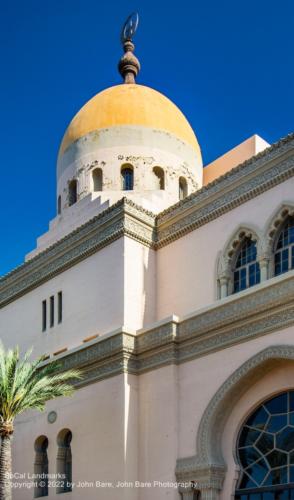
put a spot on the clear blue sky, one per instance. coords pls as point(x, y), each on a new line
point(228, 65)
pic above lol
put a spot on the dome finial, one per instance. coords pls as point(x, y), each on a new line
point(129, 65)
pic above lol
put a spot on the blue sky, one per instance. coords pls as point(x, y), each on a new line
point(228, 65)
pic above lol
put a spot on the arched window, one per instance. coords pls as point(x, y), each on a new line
point(265, 451)
point(284, 248)
point(127, 178)
point(41, 467)
point(183, 188)
point(97, 177)
point(72, 192)
point(246, 270)
point(64, 461)
point(159, 176)
point(59, 205)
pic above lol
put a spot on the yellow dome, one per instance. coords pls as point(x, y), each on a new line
point(129, 104)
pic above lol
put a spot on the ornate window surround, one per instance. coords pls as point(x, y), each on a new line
point(263, 439)
point(273, 231)
point(227, 260)
point(207, 469)
point(265, 249)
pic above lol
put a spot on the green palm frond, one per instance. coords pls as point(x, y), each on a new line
point(28, 385)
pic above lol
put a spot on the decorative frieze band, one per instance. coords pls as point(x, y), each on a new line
point(213, 208)
point(261, 310)
point(125, 218)
point(237, 174)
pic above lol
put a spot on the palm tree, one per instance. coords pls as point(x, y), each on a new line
point(25, 385)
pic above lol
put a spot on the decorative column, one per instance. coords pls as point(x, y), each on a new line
point(195, 478)
point(224, 286)
point(187, 493)
point(209, 494)
point(264, 253)
point(264, 268)
point(224, 275)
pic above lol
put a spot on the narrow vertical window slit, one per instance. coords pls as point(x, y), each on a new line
point(59, 303)
point(44, 315)
point(51, 311)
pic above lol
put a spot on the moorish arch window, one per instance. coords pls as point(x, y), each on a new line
point(265, 451)
point(159, 177)
point(64, 461)
point(246, 270)
point(183, 188)
point(59, 205)
point(127, 178)
point(72, 192)
point(284, 248)
point(97, 178)
point(41, 467)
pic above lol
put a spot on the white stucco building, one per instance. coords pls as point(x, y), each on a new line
point(171, 285)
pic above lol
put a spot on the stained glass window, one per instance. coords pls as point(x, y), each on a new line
point(266, 451)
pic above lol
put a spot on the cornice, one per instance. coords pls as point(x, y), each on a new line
point(125, 218)
point(264, 309)
point(241, 184)
point(272, 151)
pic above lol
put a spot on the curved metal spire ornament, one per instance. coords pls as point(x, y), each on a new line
point(129, 65)
point(129, 27)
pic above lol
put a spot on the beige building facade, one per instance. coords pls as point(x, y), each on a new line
point(171, 286)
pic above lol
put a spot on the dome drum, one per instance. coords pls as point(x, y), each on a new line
point(128, 125)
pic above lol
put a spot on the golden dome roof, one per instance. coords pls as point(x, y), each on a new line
point(129, 104)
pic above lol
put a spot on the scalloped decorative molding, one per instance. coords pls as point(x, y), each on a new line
point(285, 211)
point(209, 460)
point(227, 258)
point(248, 180)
